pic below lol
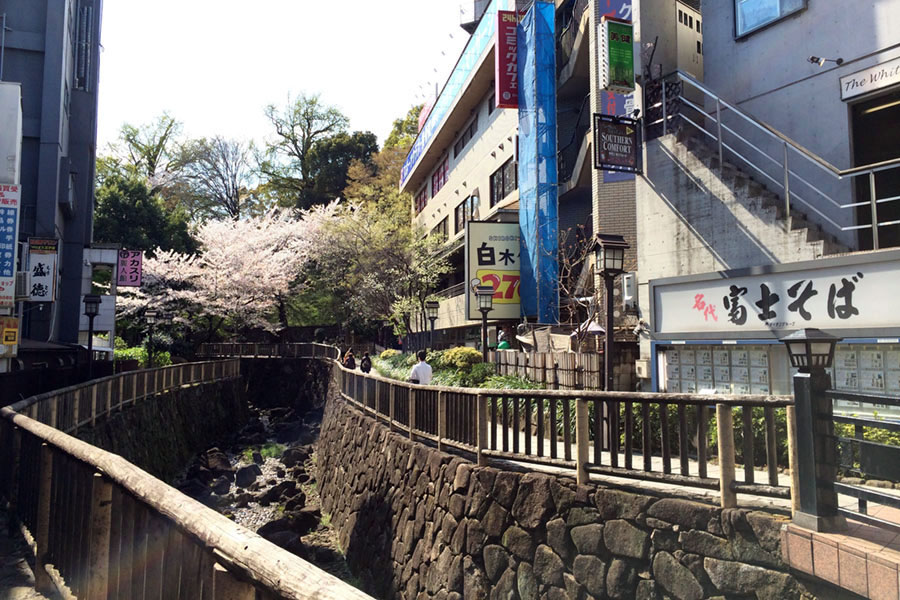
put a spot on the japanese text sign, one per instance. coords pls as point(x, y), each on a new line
point(9, 336)
point(840, 296)
point(506, 71)
point(617, 144)
point(42, 257)
point(616, 58)
point(493, 257)
point(129, 268)
point(10, 199)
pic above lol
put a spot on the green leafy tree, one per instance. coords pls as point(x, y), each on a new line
point(217, 172)
point(329, 160)
point(405, 130)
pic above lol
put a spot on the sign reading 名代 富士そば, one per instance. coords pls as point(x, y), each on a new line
point(617, 144)
point(10, 199)
point(493, 257)
point(129, 268)
point(838, 295)
point(42, 257)
point(506, 63)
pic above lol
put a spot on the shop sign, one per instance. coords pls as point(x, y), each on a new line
point(871, 79)
point(129, 268)
point(9, 336)
point(493, 256)
point(42, 257)
point(616, 58)
point(10, 200)
point(506, 64)
point(617, 144)
point(840, 296)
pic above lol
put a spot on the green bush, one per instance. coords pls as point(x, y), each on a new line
point(476, 375)
point(509, 382)
point(461, 357)
point(161, 358)
point(388, 353)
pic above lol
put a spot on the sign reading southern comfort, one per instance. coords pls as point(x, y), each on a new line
point(871, 79)
point(617, 145)
point(493, 257)
point(506, 64)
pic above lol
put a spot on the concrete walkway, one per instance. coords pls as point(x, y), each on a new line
point(16, 577)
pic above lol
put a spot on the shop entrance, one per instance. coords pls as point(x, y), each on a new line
point(876, 129)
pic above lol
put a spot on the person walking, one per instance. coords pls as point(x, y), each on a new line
point(349, 361)
point(421, 371)
point(365, 365)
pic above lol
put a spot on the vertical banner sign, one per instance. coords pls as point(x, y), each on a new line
point(492, 258)
point(10, 199)
point(617, 144)
point(42, 257)
point(129, 268)
point(506, 65)
point(616, 49)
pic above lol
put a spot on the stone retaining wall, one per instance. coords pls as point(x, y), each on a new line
point(420, 524)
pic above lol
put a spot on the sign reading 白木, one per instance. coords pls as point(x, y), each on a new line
point(617, 144)
point(10, 199)
point(493, 258)
point(506, 64)
point(838, 296)
point(42, 258)
point(129, 268)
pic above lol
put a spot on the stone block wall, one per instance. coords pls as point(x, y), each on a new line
point(421, 524)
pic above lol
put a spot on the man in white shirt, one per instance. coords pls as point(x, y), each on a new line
point(421, 371)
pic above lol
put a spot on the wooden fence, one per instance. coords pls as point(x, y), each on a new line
point(102, 528)
point(567, 370)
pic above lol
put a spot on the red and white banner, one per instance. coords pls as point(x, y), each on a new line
point(10, 199)
point(506, 64)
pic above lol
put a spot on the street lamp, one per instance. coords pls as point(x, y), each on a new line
point(816, 506)
point(431, 309)
point(150, 316)
point(609, 258)
point(91, 309)
point(485, 295)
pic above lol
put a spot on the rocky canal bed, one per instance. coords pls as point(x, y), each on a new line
point(265, 480)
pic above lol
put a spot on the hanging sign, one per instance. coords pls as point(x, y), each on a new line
point(506, 65)
point(10, 199)
point(493, 258)
point(42, 257)
point(617, 144)
point(616, 50)
point(9, 336)
point(129, 268)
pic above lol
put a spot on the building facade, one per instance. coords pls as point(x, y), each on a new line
point(52, 50)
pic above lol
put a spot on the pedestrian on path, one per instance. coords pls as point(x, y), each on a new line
point(365, 365)
point(421, 371)
point(349, 361)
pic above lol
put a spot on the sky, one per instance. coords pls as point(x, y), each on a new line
point(216, 64)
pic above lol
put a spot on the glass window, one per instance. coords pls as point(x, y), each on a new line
point(698, 25)
point(680, 16)
point(439, 177)
point(441, 229)
point(421, 199)
point(466, 137)
point(690, 21)
point(504, 181)
point(753, 14)
point(467, 210)
point(699, 47)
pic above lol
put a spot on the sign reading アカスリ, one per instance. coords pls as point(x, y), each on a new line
point(10, 198)
point(838, 296)
point(129, 268)
point(493, 257)
point(506, 71)
point(42, 256)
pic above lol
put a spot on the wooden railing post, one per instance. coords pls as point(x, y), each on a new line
point(392, 394)
point(14, 476)
point(582, 441)
point(94, 405)
point(54, 412)
point(725, 431)
point(101, 518)
point(792, 458)
point(42, 581)
point(481, 416)
point(226, 587)
point(76, 402)
point(441, 420)
point(412, 413)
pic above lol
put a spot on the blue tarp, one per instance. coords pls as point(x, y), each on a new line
point(538, 221)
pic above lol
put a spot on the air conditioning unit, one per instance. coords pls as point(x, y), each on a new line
point(22, 285)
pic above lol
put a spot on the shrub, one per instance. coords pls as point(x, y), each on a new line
point(461, 357)
point(476, 375)
point(388, 353)
point(509, 382)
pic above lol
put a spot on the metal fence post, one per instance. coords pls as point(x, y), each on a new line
point(725, 432)
point(719, 128)
point(787, 190)
point(816, 454)
point(873, 201)
point(664, 109)
point(582, 440)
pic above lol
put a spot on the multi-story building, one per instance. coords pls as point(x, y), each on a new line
point(51, 50)
point(766, 189)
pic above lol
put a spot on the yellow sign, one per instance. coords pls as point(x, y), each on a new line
point(9, 336)
point(493, 258)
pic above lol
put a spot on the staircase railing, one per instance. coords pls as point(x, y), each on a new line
point(791, 169)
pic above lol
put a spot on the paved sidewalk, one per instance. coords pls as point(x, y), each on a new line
point(16, 577)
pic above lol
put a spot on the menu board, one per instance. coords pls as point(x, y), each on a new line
point(725, 370)
point(867, 368)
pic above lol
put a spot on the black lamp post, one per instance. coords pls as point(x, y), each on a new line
point(485, 296)
point(91, 309)
point(431, 309)
point(609, 258)
point(150, 316)
point(811, 352)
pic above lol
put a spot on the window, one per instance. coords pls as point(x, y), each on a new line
point(503, 181)
point(699, 47)
point(690, 21)
point(698, 25)
point(753, 14)
point(680, 16)
point(421, 199)
point(491, 101)
point(439, 177)
point(466, 211)
point(466, 136)
point(440, 229)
